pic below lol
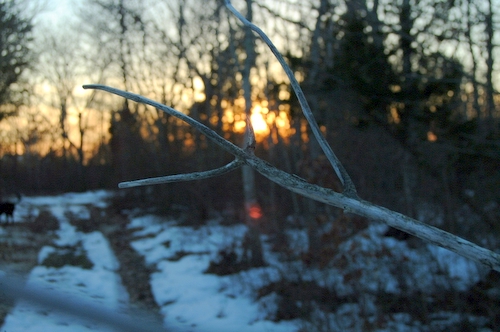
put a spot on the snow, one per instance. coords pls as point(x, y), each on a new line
point(203, 301)
point(189, 298)
point(464, 272)
point(192, 300)
point(101, 284)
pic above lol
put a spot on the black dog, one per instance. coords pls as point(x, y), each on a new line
point(8, 208)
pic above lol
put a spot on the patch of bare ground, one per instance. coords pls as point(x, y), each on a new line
point(20, 244)
point(134, 272)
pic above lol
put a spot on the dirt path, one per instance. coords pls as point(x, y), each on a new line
point(19, 248)
point(134, 272)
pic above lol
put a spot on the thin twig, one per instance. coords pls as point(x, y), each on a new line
point(250, 142)
point(349, 188)
point(184, 177)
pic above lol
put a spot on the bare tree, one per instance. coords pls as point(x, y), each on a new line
point(59, 65)
point(470, 22)
point(63, 63)
point(490, 103)
point(254, 246)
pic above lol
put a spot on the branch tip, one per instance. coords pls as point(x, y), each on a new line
point(236, 163)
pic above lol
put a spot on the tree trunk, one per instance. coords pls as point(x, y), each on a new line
point(475, 87)
point(490, 103)
point(252, 238)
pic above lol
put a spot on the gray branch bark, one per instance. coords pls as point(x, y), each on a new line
point(348, 200)
point(348, 204)
point(349, 188)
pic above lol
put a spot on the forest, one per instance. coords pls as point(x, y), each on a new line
point(405, 92)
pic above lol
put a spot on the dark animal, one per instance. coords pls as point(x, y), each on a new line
point(8, 208)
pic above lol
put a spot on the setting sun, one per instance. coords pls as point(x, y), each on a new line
point(260, 126)
point(263, 119)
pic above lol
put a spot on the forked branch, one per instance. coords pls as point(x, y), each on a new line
point(300, 186)
point(345, 179)
point(348, 200)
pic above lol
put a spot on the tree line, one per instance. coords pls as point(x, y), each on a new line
point(404, 92)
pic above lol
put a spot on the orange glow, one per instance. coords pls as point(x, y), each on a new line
point(431, 137)
point(254, 211)
point(394, 116)
point(263, 119)
point(259, 123)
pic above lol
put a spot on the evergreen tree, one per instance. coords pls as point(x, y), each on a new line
point(15, 53)
point(362, 64)
point(411, 96)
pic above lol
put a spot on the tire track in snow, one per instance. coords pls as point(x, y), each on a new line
point(101, 284)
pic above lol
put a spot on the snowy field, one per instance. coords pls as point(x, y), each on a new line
point(191, 300)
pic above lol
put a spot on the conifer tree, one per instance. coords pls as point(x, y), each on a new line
point(15, 54)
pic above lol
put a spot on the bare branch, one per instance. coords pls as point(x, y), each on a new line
point(228, 146)
point(330, 197)
point(348, 201)
point(394, 219)
point(249, 136)
point(349, 188)
point(184, 177)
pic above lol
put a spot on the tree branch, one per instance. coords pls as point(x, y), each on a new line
point(228, 146)
point(184, 177)
point(349, 204)
point(394, 219)
point(349, 188)
point(348, 201)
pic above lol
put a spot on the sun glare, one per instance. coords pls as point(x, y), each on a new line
point(259, 124)
point(263, 120)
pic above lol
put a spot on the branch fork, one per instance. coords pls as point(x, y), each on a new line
point(348, 200)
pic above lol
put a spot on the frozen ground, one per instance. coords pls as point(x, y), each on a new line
point(191, 300)
point(101, 284)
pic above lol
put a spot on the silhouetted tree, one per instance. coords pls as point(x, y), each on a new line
point(361, 63)
point(15, 54)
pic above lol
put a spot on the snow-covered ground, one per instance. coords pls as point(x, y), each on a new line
point(101, 284)
point(192, 300)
